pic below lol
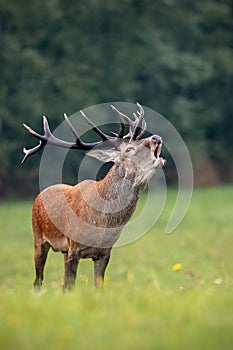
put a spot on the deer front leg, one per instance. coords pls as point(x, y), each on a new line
point(40, 255)
point(99, 269)
point(71, 261)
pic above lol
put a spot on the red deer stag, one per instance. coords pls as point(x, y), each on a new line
point(85, 220)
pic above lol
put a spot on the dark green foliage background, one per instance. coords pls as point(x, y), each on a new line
point(58, 56)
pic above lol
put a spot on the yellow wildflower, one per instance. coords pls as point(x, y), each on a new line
point(176, 267)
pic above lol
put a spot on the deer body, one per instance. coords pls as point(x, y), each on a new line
point(85, 220)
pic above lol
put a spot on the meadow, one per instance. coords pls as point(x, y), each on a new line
point(146, 303)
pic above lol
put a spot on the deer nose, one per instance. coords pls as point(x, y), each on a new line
point(157, 140)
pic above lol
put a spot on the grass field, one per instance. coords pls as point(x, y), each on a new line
point(144, 304)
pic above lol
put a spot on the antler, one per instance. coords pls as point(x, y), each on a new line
point(135, 130)
point(49, 138)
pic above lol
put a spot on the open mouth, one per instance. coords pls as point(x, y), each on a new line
point(158, 149)
point(157, 145)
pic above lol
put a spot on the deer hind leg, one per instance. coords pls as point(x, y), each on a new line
point(40, 255)
point(99, 269)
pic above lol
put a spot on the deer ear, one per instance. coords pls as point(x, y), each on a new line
point(104, 155)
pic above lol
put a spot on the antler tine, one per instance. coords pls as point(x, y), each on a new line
point(31, 151)
point(74, 132)
point(143, 129)
point(72, 129)
point(47, 131)
point(124, 117)
point(139, 119)
point(121, 130)
point(141, 110)
point(122, 124)
point(121, 115)
point(144, 125)
point(42, 139)
point(95, 128)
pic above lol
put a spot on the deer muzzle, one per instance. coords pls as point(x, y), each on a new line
point(157, 142)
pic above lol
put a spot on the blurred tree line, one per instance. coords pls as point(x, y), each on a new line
point(174, 56)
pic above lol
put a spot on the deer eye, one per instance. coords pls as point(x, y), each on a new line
point(129, 149)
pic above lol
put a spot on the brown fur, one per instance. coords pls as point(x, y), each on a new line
point(85, 220)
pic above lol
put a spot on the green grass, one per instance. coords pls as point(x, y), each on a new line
point(144, 304)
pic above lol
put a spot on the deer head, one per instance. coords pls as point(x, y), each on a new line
point(141, 154)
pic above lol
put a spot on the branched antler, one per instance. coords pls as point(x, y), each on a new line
point(49, 138)
point(135, 130)
point(135, 133)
